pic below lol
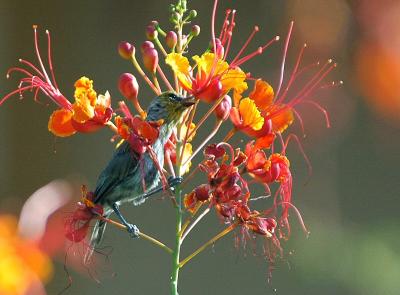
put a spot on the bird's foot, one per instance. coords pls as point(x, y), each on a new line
point(174, 181)
point(133, 230)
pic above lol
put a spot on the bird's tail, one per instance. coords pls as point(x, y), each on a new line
point(96, 238)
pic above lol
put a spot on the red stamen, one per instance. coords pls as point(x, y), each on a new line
point(19, 90)
point(253, 33)
point(313, 83)
point(49, 59)
point(259, 50)
point(331, 84)
point(29, 64)
point(306, 68)
point(16, 69)
point(300, 121)
point(300, 146)
point(228, 46)
point(322, 109)
point(38, 55)
point(285, 49)
point(214, 12)
point(300, 218)
point(230, 148)
point(225, 24)
point(229, 34)
point(293, 75)
point(229, 29)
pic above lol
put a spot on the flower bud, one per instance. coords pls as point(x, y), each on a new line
point(151, 32)
point(202, 192)
point(175, 16)
point(192, 14)
point(150, 59)
point(145, 45)
point(275, 171)
point(195, 30)
point(126, 50)
point(223, 110)
point(154, 23)
point(128, 86)
point(171, 39)
point(212, 150)
point(220, 49)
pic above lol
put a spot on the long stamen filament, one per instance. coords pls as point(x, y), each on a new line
point(195, 222)
point(39, 57)
point(49, 59)
point(210, 242)
point(205, 141)
point(205, 117)
point(253, 33)
point(285, 50)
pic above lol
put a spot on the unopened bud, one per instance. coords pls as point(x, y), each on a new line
point(151, 32)
point(150, 59)
point(223, 110)
point(195, 30)
point(171, 39)
point(220, 49)
point(128, 86)
point(202, 192)
point(275, 171)
point(192, 14)
point(174, 17)
point(145, 45)
point(126, 49)
point(153, 23)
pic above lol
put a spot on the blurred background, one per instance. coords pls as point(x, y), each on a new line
point(350, 204)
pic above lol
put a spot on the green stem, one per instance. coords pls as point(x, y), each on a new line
point(178, 189)
point(177, 249)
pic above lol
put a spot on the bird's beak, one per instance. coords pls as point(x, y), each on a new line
point(188, 101)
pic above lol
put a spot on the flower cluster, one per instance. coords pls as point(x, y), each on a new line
point(249, 105)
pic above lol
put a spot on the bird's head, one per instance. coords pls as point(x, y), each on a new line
point(168, 106)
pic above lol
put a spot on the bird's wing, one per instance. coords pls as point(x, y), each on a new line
point(124, 163)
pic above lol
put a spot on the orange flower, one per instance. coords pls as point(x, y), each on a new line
point(214, 77)
point(22, 263)
point(89, 112)
point(259, 116)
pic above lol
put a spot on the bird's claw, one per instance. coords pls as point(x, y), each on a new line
point(173, 181)
point(133, 230)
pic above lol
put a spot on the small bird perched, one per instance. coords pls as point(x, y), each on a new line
point(121, 180)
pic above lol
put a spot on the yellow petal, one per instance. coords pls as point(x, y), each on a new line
point(186, 154)
point(84, 91)
point(234, 79)
point(207, 62)
point(84, 82)
point(282, 117)
point(60, 123)
point(82, 111)
point(251, 116)
point(262, 94)
point(181, 67)
point(185, 129)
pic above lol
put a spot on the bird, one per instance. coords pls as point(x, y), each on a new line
point(121, 180)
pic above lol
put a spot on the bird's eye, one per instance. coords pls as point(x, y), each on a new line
point(174, 97)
